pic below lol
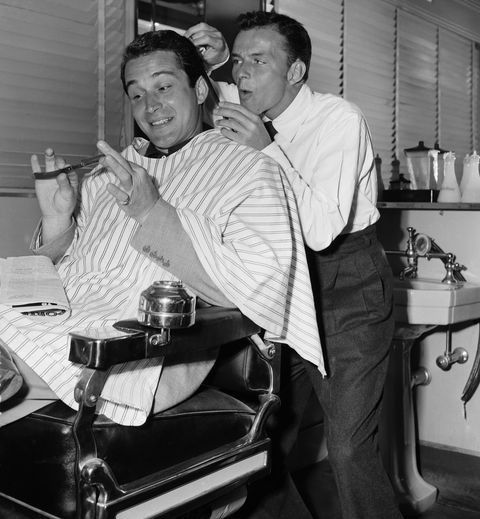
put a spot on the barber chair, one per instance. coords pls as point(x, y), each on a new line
point(191, 461)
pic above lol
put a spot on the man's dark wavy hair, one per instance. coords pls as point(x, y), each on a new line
point(187, 56)
point(297, 41)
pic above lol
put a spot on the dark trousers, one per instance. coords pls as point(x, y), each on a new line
point(353, 290)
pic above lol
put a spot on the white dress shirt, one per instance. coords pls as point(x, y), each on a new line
point(324, 145)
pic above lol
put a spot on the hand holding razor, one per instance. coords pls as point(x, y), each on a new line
point(89, 161)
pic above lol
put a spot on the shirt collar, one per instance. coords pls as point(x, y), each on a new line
point(290, 120)
point(153, 152)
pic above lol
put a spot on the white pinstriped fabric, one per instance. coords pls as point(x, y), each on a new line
point(231, 202)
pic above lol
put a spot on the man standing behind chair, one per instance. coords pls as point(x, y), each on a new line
point(324, 145)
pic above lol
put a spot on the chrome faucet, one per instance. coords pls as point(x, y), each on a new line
point(410, 271)
point(454, 270)
point(421, 245)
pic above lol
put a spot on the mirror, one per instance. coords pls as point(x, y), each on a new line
point(166, 14)
point(179, 15)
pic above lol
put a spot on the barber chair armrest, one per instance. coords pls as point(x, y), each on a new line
point(213, 326)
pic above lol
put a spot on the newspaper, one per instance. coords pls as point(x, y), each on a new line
point(31, 285)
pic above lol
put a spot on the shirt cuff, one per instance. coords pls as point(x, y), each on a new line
point(54, 249)
point(218, 65)
point(275, 152)
point(150, 236)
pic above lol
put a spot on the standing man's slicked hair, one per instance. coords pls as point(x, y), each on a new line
point(298, 43)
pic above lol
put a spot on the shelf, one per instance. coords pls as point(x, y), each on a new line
point(26, 192)
point(430, 206)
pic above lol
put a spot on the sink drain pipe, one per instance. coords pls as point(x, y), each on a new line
point(450, 357)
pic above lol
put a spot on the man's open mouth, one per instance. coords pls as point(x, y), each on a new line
point(161, 122)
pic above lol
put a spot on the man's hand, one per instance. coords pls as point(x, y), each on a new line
point(210, 43)
point(57, 197)
point(239, 124)
point(135, 193)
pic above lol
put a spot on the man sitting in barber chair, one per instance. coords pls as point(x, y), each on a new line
point(188, 204)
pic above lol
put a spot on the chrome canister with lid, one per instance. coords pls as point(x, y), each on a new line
point(167, 304)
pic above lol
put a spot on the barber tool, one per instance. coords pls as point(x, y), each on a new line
point(212, 91)
point(89, 161)
point(202, 49)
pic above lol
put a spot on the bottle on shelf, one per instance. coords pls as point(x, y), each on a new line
point(449, 190)
point(470, 184)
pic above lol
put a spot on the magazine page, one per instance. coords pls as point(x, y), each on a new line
point(32, 286)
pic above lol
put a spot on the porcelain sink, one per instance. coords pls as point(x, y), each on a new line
point(429, 301)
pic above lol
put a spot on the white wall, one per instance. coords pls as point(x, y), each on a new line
point(439, 408)
point(18, 218)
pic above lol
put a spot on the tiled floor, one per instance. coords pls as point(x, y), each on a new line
point(444, 511)
point(457, 477)
point(456, 500)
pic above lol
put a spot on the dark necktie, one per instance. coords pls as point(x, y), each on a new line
point(270, 129)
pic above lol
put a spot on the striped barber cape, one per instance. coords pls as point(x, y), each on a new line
point(231, 202)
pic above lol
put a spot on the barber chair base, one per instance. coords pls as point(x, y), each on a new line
point(196, 451)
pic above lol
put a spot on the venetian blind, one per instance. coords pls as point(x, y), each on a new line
point(455, 94)
point(119, 31)
point(323, 20)
point(417, 84)
point(369, 70)
point(51, 73)
point(413, 79)
point(475, 141)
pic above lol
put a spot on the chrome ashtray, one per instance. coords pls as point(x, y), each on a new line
point(167, 304)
